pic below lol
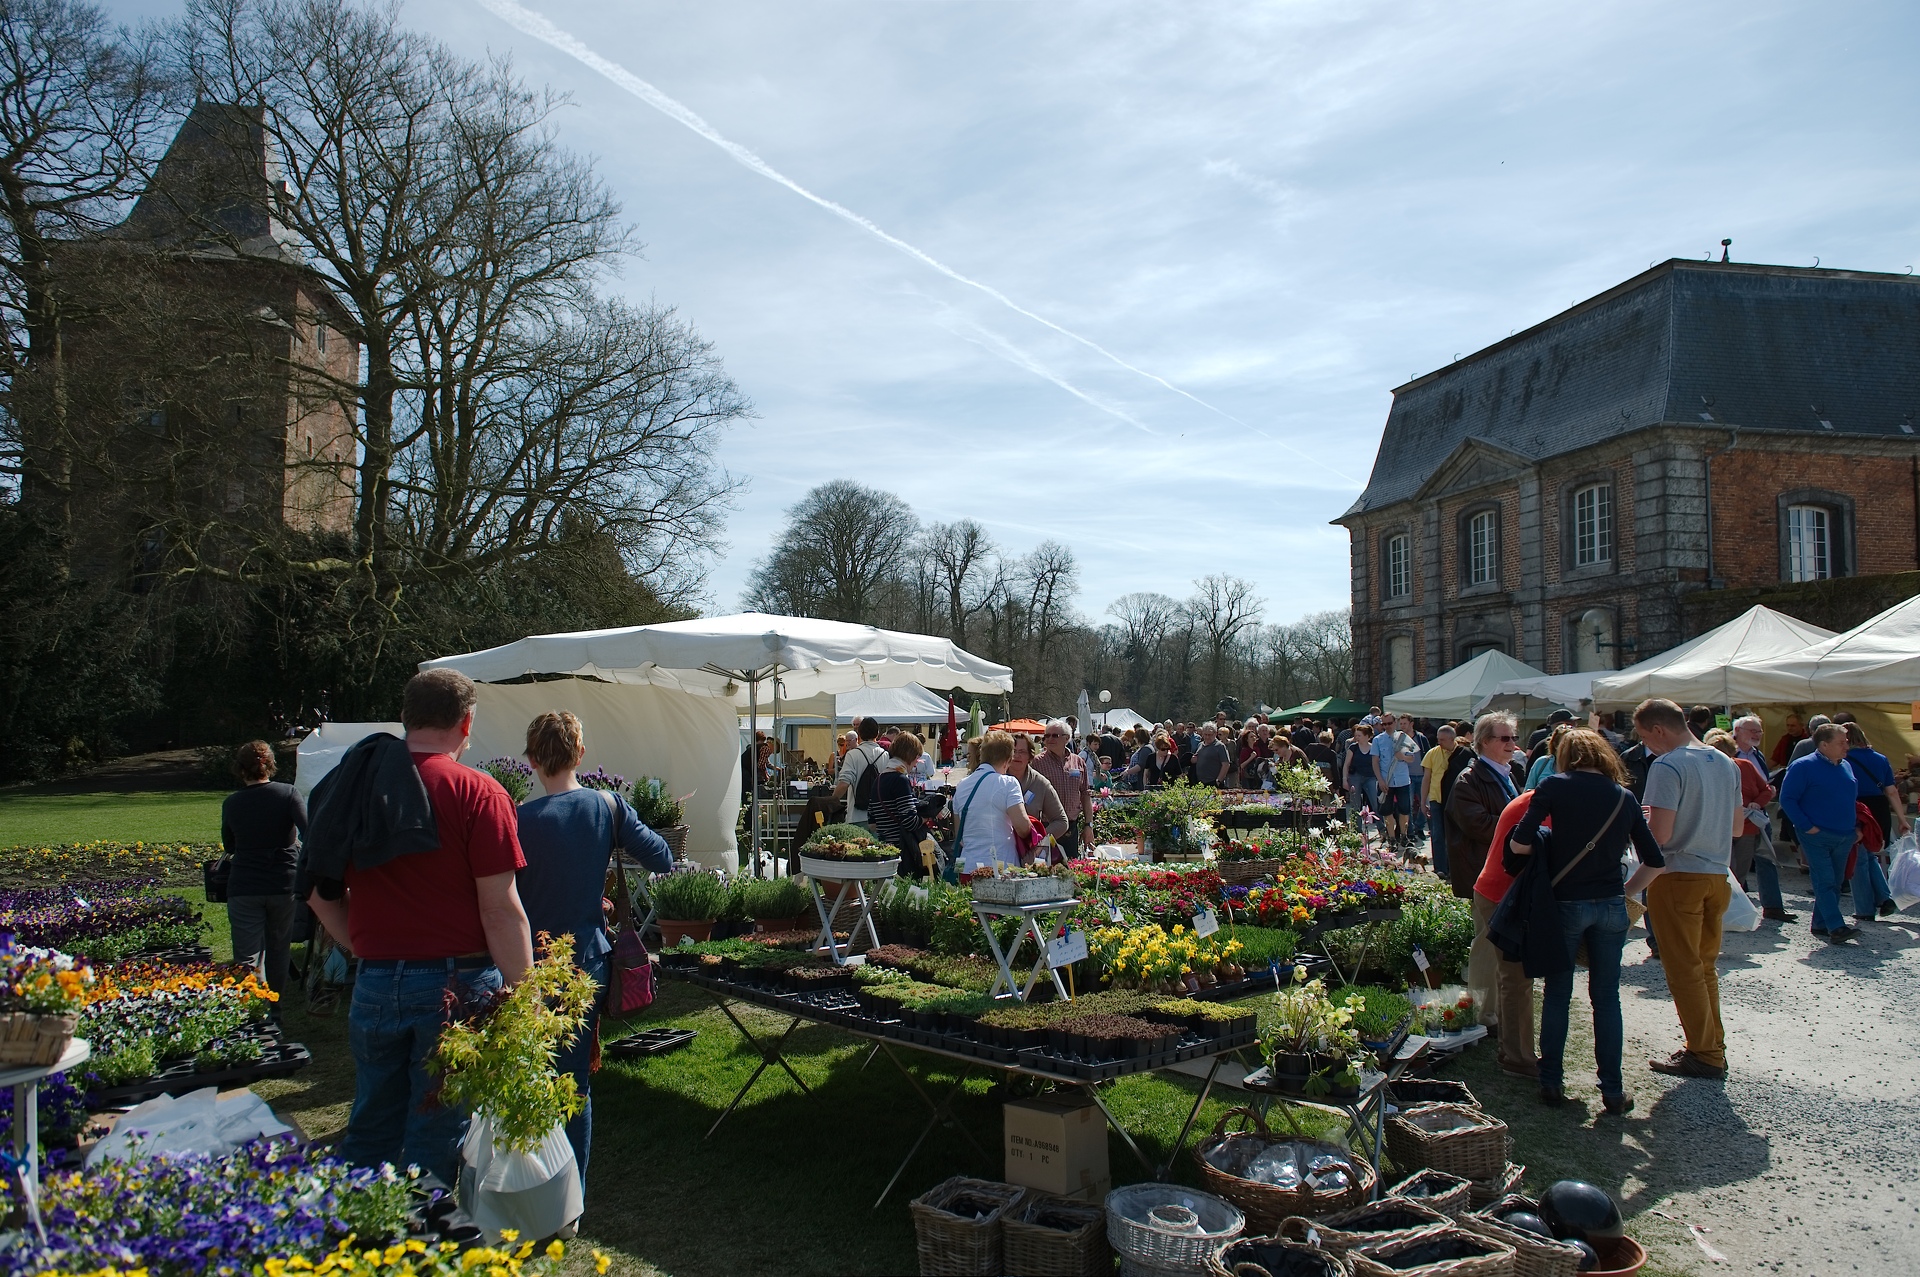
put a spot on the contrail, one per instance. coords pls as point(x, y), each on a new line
point(967, 330)
point(537, 26)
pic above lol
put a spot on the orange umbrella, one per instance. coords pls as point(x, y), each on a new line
point(1027, 725)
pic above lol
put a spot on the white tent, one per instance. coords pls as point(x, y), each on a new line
point(1718, 668)
point(1532, 696)
point(1456, 693)
point(1121, 719)
point(1877, 661)
point(321, 749)
point(909, 704)
point(662, 699)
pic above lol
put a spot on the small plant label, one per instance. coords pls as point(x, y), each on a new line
point(1205, 924)
point(1114, 915)
point(1420, 959)
point(1068, 949)
point(686, 941)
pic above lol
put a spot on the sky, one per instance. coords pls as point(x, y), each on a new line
point(1141, 277)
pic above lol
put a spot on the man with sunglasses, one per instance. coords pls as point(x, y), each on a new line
point(1065, 772)
point(1491, 781)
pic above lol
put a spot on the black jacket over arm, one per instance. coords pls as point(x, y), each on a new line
point(371, 807)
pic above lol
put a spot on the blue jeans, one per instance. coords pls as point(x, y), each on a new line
point(1603, 925)
point(1364, 792)
point(577, 1058)
point(1826, 854)
point(1437, 829)
point(1869, 885)
point(392, 1028)
point(1766, 877)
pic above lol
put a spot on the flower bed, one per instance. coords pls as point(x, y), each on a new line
point(1170, 897)
point(173, 863)
point(143, 1017)
point(104, 921)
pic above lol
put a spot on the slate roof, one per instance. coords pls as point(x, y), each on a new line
point(211, 191)
point(1759, 347)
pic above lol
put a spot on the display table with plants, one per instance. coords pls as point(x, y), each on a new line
point(848, 857)
point(1050, 904)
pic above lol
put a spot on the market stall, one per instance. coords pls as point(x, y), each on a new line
point(1461, 690)
point(1718, 668)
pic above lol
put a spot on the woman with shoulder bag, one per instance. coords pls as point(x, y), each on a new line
point(895, 815)
point(1594, 816)
point(990, 812)
point(568, 836)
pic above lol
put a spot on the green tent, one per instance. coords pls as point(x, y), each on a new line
point(1325, 707)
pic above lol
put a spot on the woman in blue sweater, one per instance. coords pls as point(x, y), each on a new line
point(568, 835)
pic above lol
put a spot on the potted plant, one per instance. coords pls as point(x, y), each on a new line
point(661, 812)
point(41, 994)
point(777, 904)
point(847, 853)
point(514, 775)
point(687, 902)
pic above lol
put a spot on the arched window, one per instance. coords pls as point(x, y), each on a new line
point(1592, 642)
point(1593, 525)
point(1399, 663)
point(1399, 582)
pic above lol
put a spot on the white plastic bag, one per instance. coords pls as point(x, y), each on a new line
point(1903, 878)
point(536, 1192)
point(198, 1122)
point(1742, 913)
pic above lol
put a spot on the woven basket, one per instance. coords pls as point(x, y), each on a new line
point(1021, 891)
point(1350, 1229)
point(1448, 1194)
point(1238, 873)
point(1265, 1204)
point(1165, 1228)
point(1274, 1257)
point(1477, 1150)
point(27, 1038)
point(1046, 1236)
point(1534, 1255)
point(961, 1245)
point(1490, 1190)
point(1475, 1255)
point(676, 837)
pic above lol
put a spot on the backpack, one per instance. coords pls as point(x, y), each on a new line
point(862, 798)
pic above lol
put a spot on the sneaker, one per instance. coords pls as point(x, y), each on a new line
point(1685, 1063)
point(1843, 935)
point(1888, 908)
point(1862, 917)
point(1553, 1096)
point(1618, 1105)
point(1779, 915)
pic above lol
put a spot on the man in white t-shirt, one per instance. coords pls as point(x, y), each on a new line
point(862, 758)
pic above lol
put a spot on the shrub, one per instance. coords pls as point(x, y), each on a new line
point(514, 775)
point(692, 895)
point(775, 897)
point(655, 804)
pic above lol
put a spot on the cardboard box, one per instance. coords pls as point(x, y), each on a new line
point(1058, 1145)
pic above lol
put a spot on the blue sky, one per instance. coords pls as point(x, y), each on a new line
point(1282, 209)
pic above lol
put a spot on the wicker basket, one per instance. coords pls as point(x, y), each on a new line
point(1448, 1194)
point(1473, 1255)
point(1534, 1255)
point(28, 1038)
point(1350, 1229)
point(1274, 1257)
point(1021, 891)
point(1165, 1228)
point(1240, 873)
point(1265, 1204)
point(1475, 1150)
point(1492, 1189)
point(1046, 1236)
point(965, 1244)
point(676, 837)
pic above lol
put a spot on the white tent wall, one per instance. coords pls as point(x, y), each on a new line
point(692, 742)
point(321, 749)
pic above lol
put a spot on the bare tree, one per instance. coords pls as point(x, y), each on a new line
point(1144, 619)
point(1220, 608)
point(961, 556)
point(843, 545)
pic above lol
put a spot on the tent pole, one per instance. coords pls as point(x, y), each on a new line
point(780, 748)
point(753, 780)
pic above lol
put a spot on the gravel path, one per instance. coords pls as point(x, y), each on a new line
point(1807, 1159)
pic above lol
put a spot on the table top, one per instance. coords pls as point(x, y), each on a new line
point(1038, 906)
point(76, 1054)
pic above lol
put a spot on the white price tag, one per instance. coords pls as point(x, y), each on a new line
point(1205, 924)
point(685, 941)
point(1114, 915)
point(1420, 958)
point(1068, 949)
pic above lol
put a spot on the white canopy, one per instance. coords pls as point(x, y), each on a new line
point(1461, 689)
point(1121, 719)
point(909, 704)
point(1719, 667)
point(704, 656)
point(321, 749)
point(1876, 661)
point(1525, 695)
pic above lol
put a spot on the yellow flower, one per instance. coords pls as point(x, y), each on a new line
point(555, 1250)
point(601, 1263)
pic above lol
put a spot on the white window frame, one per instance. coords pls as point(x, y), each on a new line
point(1593, 525)
point(1399, 566)
point(1483, 547)
point(1809, 543)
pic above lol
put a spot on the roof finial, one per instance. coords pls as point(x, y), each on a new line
point(1725, 246)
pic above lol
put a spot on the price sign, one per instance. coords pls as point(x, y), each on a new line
point(1205, 924)
point(1420, 959)
point(1068, 949)
point(685, 940)
point(1114, 915)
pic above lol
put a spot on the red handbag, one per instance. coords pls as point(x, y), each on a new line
point(629, 966)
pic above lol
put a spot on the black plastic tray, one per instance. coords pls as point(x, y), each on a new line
point(649, 1042)
point(280, 1059)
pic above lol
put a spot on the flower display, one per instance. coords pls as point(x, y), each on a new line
point(1170, 897)
point(42, 981)
point(104, 921)
point(105, 860)
point(514, 775)
point(1153, 957)
point(142, 1016)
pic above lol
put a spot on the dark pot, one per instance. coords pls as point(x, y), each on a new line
point(1293, 1064)
point(1026, 1039)
point(1056, 1040)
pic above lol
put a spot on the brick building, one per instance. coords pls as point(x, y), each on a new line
point(271, 448)
point(1559, 494)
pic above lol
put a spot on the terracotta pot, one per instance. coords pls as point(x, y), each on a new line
point(670, 932)
point(796, 923)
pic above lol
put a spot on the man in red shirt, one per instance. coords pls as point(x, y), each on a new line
point(423, 924)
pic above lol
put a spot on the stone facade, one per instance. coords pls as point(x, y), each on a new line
point(1539, 449)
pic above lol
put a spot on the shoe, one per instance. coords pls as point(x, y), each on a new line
point(1843, 935)
point(1553, 1096)
point(1618, 1105)
point(1822, 932)
point(1888, 908)
point(1862, 917)
point(1846, 888)
point(1531, 1075)
point(1779, 915)
point(1685, 1063)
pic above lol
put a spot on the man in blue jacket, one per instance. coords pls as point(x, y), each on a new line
point(1817, 795)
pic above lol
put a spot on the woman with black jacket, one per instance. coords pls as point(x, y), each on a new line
point(895, 815)
point(1593, 817)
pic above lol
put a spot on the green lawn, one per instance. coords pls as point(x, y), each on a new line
point(168, 816)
